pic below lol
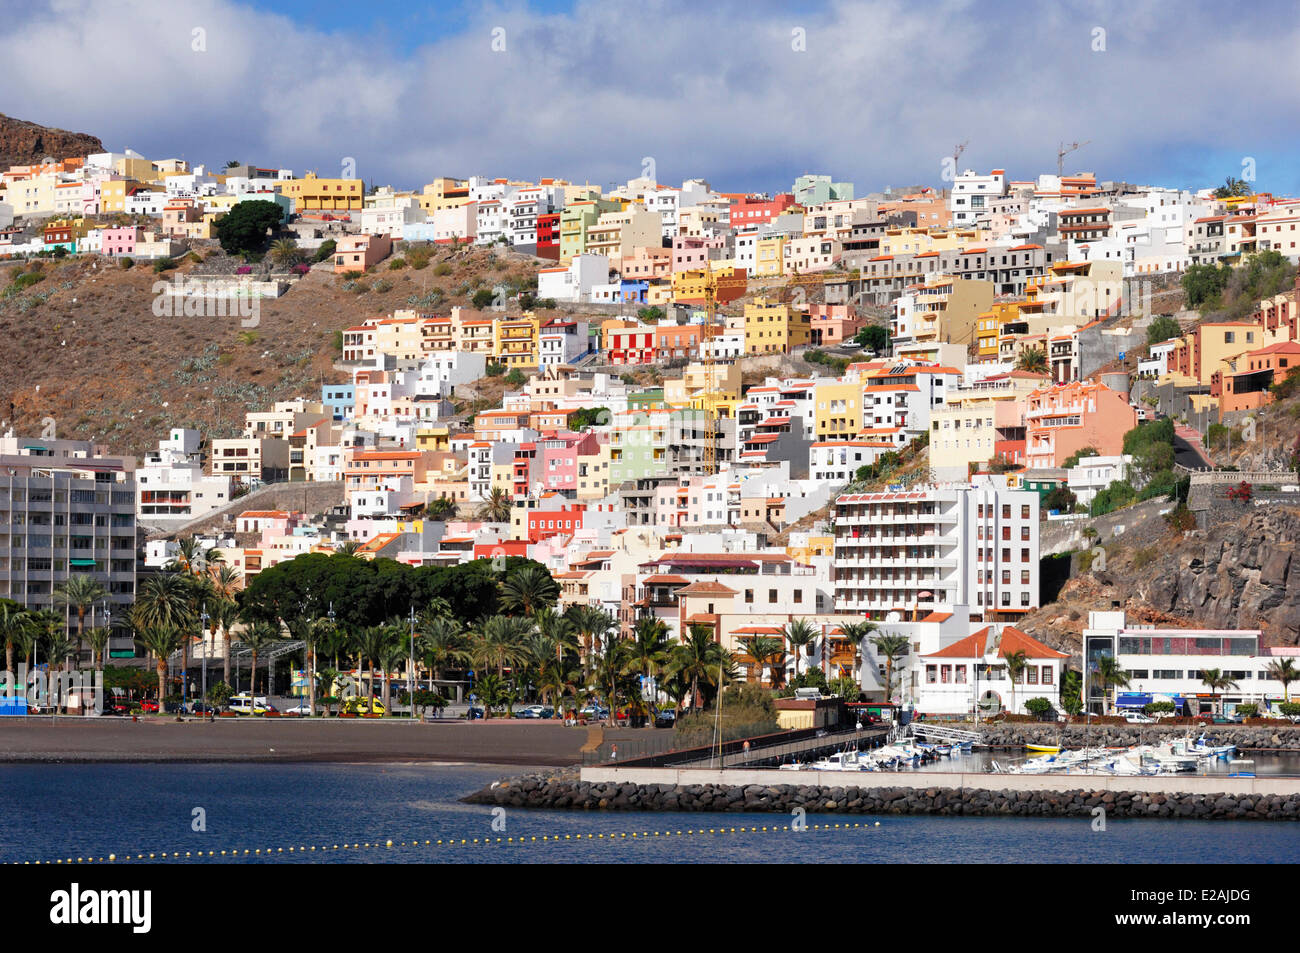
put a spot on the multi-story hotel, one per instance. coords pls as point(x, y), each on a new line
point(66, 510)
point(928, 548)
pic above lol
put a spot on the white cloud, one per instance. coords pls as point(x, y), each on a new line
point(882, 93)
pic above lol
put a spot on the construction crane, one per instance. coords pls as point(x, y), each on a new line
point(709, 360)
point(956, 155)
point(1062, 152)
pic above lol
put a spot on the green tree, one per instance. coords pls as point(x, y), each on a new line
point(1162, 329)
point(697, 660)
point(1032, 359)
point(160, 641)
point(483, 298)
point(284, 252)
point(245, 227)
point(79, 593)
point(767, 652)
point(528, 589)
point(1284, 671)
point(800, 634)
point(1110, 675)
point(14, 622)
point(1016, 663)
point(325, 252)
point(497, 507)
point(1216, 681)
point(585, 417)
point(258, 638)
point(893, 647)
point(1072, 692)
point(1082, 453)
point(874, 337)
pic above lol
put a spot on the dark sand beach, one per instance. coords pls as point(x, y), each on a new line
point(155, 739)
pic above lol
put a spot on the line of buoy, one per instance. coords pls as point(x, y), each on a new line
point(521, 840)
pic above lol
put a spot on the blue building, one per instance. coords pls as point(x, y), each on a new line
point(341, 399)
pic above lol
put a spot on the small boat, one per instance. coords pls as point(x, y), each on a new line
point(1044, 749)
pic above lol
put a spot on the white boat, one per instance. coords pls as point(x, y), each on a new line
point(1203, 747)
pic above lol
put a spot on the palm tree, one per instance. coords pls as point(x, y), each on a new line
point(188, 554)
point(224, 614)
point(396, 655)
point(496, 508)
point(14, 621)
point(348, 547)
point(647, 653)
point(594, 625)
point(226, 580)
point(1016, 663)
point(893, 647)
point(1283, 670)
point(800, 634)
point(528, 589)
point(441, 644)
point(1032, 359)
point(766, 651)
point(697, 659)
point(1110, 675)
point(309, 632)
point(371, 644)
point(857, 633)
point(500, 641)
point(160, 641)
point(1216, 681)
point(611, 674)
point(557, 632)
point(440, 509)
point(490, 689)
point(284, 252)
point(258, 638)
point(79, 593)
point(98, 638)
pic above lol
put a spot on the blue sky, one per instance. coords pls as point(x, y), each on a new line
point(745, 93)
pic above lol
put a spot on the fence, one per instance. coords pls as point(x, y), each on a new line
point(659, 751)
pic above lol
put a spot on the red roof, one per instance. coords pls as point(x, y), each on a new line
point(1012, 641)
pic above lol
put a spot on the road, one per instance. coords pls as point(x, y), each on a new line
point(1189, 450)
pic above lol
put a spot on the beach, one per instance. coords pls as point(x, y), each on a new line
point(163, 739)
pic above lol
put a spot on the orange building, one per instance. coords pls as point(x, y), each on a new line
point(1064, 418)
point(1247, 386)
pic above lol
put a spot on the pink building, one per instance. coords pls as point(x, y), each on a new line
point(1064, 418)
point(120, 240)
point(557, 459)
point(359, 252)
point(696, 251)
point(833, 323)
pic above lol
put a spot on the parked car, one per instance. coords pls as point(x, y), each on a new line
point(535, 711)
point(149, 706)
point(593, 712)
point(203, 708)
point(302, 708)
point(666, 719)
point(1139, 718)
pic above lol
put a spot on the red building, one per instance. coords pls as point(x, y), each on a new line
point(543, 524)
point(756, 209)
point(548, 236)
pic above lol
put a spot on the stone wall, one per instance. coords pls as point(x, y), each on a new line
point(566, 792)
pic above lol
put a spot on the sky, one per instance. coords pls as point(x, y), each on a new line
point(747, 94)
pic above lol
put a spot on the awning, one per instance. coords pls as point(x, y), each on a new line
point(1132, 700)
point(82, 562)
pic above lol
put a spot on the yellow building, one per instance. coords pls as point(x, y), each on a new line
point(444, 193)
point(593, 473)
point(989, 327)
point(772, 327)
point(838, 409)
point(433, 437)
point(809, 547)
point(769, 257)
point(313, 194)
point(516, 341)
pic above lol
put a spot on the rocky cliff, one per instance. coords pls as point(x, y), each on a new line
point(1239, 574)
point(23, 142)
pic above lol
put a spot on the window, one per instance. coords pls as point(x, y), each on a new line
point(1024, 512)
point(1047, 674)
point(959, 674)
point(1031, 674)
point(771, 596)
point(931, 674)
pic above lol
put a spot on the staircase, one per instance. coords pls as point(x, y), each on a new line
point(933, 732)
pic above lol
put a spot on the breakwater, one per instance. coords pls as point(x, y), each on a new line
point(1245, 737)
point(695, 790)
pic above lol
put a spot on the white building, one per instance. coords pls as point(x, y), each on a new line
point(1167, 665)
point(1091, 475)
point(973, 671)
point(561, 342)
point(171, 486)
point(390, 221)
point(930, 546)
point(968, 203)
point(836, 462)
point(574, 282)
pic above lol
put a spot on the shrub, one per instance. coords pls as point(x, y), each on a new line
point(1289, 709)
point(495, 370)
point(125, 263)
point(442, 268)
point(1162, 329)
point(301, 268)
point(1061, 498)
point(163, 264)
point(1248, 711)
point(516, 378)
point(483, 298)
point(1241, 493)
point(325, 251)
point(244, 270)
point(1159, 708)
point(382, 285)
point(1038, 707)
point(1144, 557)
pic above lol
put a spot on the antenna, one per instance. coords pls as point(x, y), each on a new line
point(1062, 152)
point(956, 154)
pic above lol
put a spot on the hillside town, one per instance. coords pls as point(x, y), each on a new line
point(789, 423)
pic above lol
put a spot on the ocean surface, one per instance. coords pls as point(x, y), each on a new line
point(51, 812)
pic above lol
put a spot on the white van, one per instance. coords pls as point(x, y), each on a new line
point(241, 704)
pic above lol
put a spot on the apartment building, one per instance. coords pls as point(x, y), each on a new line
point(312, 194)
point(1064, 418)
point(66, 509)
point(969, 202)
point(772, 327)
point(170, 484)
point(904, 554)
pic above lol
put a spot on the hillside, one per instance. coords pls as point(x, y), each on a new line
point(24, 143)
point(88, 350)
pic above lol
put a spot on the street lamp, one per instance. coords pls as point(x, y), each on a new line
point(410, 669)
